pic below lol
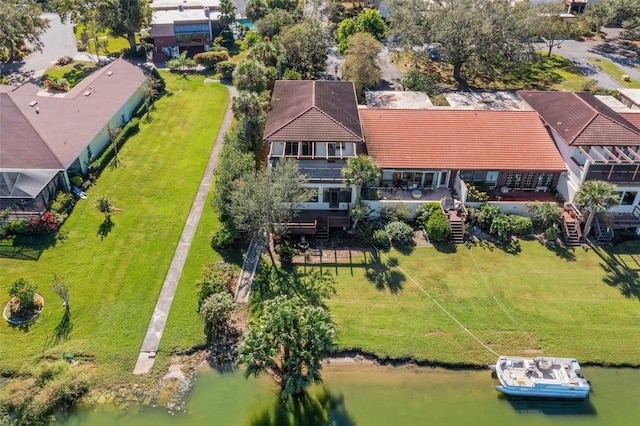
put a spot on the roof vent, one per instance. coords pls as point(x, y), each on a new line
point(87, 93)
point(33, 103)
point(109, 73)
point(180, 8)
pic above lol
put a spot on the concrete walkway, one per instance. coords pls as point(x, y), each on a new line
point(249, 267)
point(161, 311)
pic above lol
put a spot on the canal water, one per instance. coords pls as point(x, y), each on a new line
point(383, 395)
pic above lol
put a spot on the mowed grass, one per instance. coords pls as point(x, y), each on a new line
point(114, 280)
point(578, 303)
point(614, 71)
point(74, 72)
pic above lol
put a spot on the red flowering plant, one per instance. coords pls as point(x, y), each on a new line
point(45, 224)
point(60, 86)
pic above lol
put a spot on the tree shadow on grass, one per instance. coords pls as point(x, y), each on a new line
point(563, 252)
point(619, 274)
point(308, 409)
point(64, 327)
point(106, 227)
point(26, 247)
point(382, 274)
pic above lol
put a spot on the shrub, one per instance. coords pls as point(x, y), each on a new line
point(225, 69)
point(486, 215)
point(285, 252)
point(544, 215)
point(4, 214)
point(104, 205)
point(520, 225)
point(438, 228)
point(425, 211)
point(215, 311)
point(474, 194)
point(45, 224)
point(418, 81)
point(225, 235)
point(24, 290)
point(290, 74)
point(380, 238)
point(400, 233)
point(65, 60)
point(76, 181)
point(217, 48)
point(19, 227)
point(209, 60)
point(501, 227)
point(60, 86)
point(552, 233)
point(216, 278)
point(399, 213)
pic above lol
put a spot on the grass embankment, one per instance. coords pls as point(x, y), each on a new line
point(115, 273)
point(614, 71)
point(579, 303)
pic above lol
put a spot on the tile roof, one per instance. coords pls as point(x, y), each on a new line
point(64, 125)
point(303, 110)
point(459, 140)
point(580, 118)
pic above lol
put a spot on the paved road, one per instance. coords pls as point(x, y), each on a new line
point(613, 48)
point(58, 41)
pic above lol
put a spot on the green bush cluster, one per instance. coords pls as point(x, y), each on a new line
point(210, 60)
point(226, 234)
point(425, 211)
point(491, 219)
point(285, 252)
point(216, 278)
point(437, 226)
point(400, 233)
point(225, 69)
point(380, 238)
point(400, 213)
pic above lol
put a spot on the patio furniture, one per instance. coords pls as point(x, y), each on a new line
point(416, 194)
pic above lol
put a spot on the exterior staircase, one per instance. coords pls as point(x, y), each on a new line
point(571, 229)
point(603, 233)
point(456, 224)
point(322, 228)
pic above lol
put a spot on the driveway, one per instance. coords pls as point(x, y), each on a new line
point(613, 48)
point(58, 41)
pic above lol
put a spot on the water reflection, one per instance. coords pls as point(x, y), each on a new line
point(321, 407)
point(555, 407)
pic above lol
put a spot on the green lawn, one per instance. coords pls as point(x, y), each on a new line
point(115, 280)
point(614, 71)
point(564, 302)
point(74, 72)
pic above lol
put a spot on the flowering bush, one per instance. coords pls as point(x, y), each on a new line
point(47, 223)
point(65, 60)
point(60, 86)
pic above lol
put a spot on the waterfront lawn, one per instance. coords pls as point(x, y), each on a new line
point(579, 303)
point(115, 272)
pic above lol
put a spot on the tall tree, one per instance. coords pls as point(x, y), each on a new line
point(263, 202)
point(288, 341)
point(360, 172)
point(305, 47)
point(251, 76)
point(20, 25)
point(227, 13)
point(248, 108)
point(550, 27)
point(360, 64)
point(597, 196)
point(627, 14)
point(482, 35)
point(124, 18)
point(370, 21)
point(256, 9)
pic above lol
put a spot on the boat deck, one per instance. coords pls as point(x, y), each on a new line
point(540, 371)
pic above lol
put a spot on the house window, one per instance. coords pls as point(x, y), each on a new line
point(545, 179)
point(627, 198)
point(314, 197)
point(528, 181)
point(307, 149)
point(343, 194)
point(291, 148)
point(508, 182)
point(335, 149)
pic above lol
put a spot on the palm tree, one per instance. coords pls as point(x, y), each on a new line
point(359, 171)
point(227, 14)
point(597, 196)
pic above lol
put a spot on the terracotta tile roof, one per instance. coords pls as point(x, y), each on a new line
point(632, 117)
point(580, 118)
point(313, 111)
point(67, 124)
point(459, 140)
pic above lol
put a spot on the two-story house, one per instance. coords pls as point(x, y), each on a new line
point(317, 123)
point(596, 143)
